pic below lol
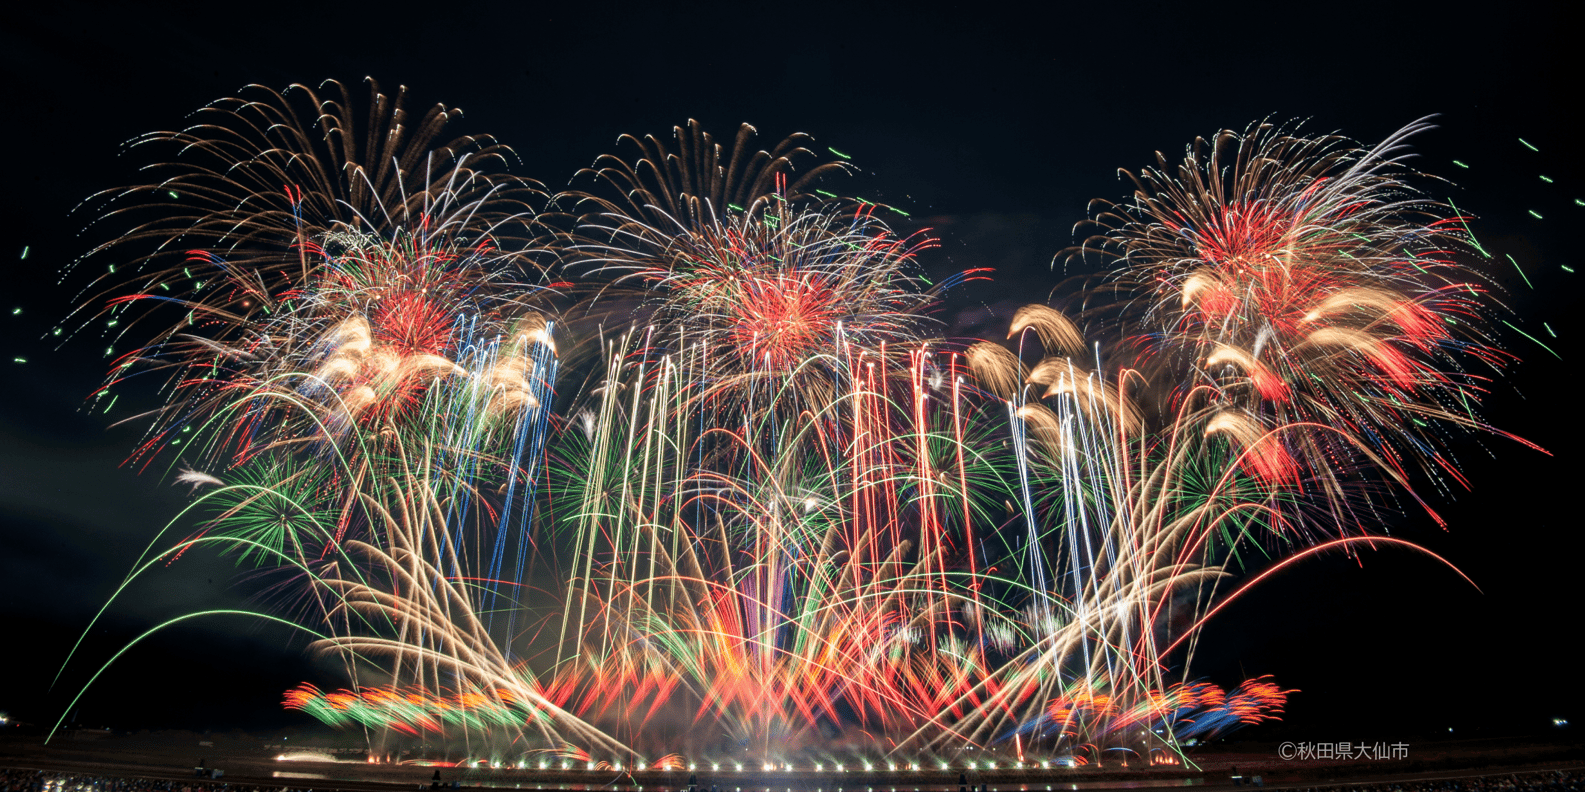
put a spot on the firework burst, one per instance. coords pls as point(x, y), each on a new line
point(273, 245)
point(1305, 280)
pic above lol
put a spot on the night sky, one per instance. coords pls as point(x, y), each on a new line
point(992, 129)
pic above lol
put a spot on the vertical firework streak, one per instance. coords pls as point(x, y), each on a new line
point(425, 498)
point(760, 526)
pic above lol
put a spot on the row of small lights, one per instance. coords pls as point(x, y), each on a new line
point(818, 789)
point(769, 767)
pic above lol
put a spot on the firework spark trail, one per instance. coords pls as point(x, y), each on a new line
point(770, 517)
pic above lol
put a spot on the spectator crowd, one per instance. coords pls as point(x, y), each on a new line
point(48, 781)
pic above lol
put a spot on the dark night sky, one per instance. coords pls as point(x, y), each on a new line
point(996, 127)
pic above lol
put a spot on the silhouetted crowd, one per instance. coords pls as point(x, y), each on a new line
point(1549, 781)
point(46, 781)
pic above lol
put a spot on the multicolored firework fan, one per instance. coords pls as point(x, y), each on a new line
point(779, 517)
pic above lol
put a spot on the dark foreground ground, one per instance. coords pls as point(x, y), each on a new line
point(165, 761)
